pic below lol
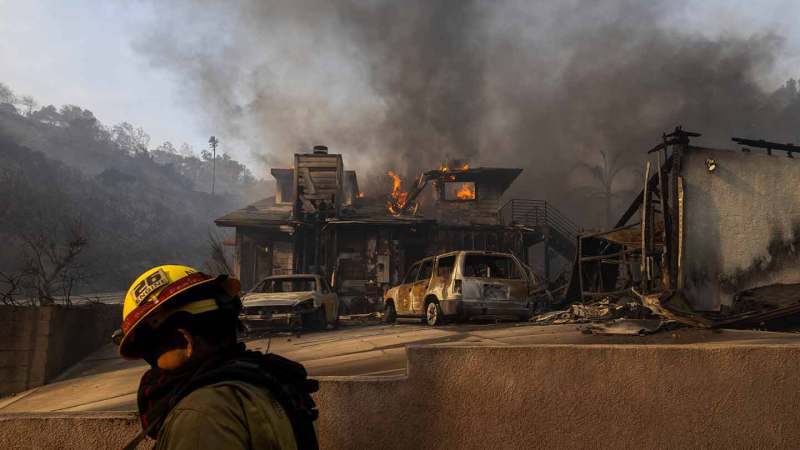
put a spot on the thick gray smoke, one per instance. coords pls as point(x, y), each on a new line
point(405, 85)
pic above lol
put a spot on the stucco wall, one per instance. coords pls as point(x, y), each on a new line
point(741, 222)
point(38, 343)
point(557, 396)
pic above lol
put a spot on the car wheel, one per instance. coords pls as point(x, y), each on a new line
point(389, 313)
point(433, 314)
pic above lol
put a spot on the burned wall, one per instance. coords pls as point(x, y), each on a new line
point(479, 209)
point(742, 222)
point(262, 252)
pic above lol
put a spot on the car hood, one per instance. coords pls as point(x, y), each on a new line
point(276, 298)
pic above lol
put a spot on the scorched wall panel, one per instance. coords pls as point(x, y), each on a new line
point(742, 222)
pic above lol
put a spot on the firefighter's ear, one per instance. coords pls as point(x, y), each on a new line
point(176, 357)
point(189, 341)
point(190, 344)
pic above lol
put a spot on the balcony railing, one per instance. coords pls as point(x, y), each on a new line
point(538, 214)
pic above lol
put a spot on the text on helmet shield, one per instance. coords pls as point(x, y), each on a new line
point(146, 287)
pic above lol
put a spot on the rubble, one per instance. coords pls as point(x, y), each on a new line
point(624, 327)
point(372, 317)
point(607, 309)
point(609, 316)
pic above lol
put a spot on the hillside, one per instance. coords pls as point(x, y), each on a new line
point(66, 180)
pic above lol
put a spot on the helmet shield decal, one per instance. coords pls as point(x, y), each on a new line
point(149, 285)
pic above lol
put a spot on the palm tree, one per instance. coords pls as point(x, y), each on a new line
point(601, 181)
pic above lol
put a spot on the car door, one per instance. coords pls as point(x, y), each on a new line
point(519, 283)
point(442, 274)
point(403, 300)
point(420, 287)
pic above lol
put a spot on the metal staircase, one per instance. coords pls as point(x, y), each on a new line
point(557, 230)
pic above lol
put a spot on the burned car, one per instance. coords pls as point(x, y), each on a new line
point(290, 301)
point(463, 285)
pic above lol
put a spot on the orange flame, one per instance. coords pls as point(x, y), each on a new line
point(465, 192)
point(399, 198)
point(360, 195)
point(444, 168)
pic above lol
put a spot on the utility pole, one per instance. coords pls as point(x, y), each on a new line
point(213, 141)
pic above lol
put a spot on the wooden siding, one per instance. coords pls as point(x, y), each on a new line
point(319, 179)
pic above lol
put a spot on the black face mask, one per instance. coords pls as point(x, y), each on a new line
point(156, 342)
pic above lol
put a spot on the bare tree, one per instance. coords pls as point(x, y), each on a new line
point(51, 267)
point(218, 263)
point(11, 287)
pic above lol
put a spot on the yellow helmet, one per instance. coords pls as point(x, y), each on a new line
point(150, 300)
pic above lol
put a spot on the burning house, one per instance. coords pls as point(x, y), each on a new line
point(319, 222)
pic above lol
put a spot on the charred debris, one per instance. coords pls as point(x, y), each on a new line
point(711, 241)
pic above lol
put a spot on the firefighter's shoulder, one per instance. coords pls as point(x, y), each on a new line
point(230, 415)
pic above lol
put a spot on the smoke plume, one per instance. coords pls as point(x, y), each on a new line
point(406, 85)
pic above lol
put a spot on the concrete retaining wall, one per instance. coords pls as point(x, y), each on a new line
point(632, 396)
point(69, 431)
point(38, 343)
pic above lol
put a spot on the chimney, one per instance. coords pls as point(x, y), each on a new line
point(320, 150)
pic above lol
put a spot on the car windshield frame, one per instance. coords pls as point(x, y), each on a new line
point(292, 282)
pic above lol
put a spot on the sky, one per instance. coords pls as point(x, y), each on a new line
point(88, 53)
point(82, 52)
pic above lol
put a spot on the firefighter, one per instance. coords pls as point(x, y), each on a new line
point(204, 389)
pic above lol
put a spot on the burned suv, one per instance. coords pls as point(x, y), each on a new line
point(462, 285)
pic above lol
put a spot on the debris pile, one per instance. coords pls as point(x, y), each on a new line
point(775, 307)
point(609, 316)
point(604, 310)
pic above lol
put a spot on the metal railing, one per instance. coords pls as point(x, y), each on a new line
point(537, 213)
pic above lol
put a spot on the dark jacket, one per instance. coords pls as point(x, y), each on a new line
point(229, 415)
point(238, 399)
